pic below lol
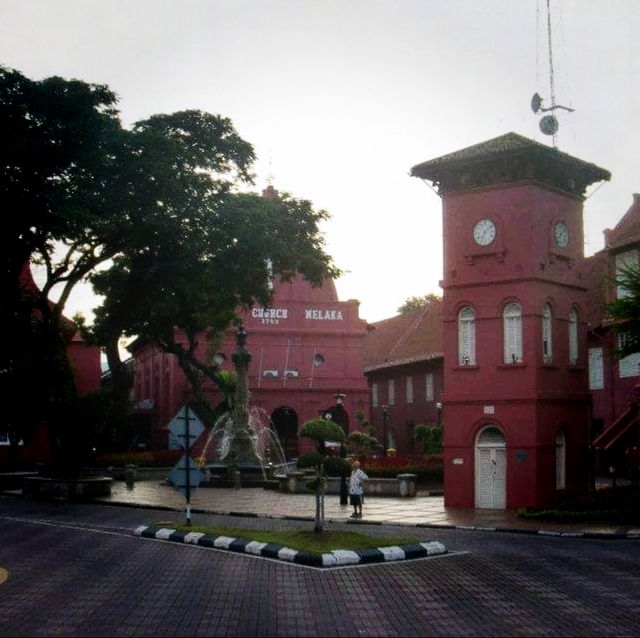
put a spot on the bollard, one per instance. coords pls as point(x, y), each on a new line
point(237, 480)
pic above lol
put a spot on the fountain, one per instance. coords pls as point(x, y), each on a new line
point(242, 443)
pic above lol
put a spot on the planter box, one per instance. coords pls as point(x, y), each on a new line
point(404, 485)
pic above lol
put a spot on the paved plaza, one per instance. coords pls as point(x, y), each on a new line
point(427, 511)
point(77, 570)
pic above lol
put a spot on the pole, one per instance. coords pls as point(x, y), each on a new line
point(344, 497)
point(187, 446)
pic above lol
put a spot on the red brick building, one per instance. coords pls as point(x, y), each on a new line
point(306, 348)
point(403, 366)
point(517, 404)
point(614, 382)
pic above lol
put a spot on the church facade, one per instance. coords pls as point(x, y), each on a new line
point(306, 350)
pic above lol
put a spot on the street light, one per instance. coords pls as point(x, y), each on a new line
point(344, 494)
point(439, 411)
point(385, 420)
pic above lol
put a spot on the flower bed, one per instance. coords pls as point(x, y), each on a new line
point(427, 467)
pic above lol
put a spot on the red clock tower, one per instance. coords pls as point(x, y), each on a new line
point(516, 396)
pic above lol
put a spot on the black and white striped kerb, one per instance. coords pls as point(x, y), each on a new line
point(336, 558)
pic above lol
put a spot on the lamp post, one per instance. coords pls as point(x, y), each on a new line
point(385, 420)
point(439, 411)
point(344, 494)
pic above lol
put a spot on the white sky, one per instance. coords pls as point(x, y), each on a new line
point(344, 96)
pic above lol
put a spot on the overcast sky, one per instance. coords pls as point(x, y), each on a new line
point(341, 97)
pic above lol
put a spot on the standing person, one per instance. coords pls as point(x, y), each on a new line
point(356, 490)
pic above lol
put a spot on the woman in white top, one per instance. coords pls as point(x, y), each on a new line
point(356, 489)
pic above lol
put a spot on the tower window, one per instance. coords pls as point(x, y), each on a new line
point(466, 336)
point(512, 320)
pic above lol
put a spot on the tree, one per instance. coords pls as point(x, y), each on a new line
point(57, 157)
point(156, 203)
point(320, 431)
point(624, 312)
point(416, 303)
point(429, 438)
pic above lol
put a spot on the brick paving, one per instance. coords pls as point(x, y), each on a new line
point(74, 570)
point(387, 510)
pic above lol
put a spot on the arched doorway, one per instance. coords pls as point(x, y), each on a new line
point(338, 415)
point(285, 423)
point(491, 469)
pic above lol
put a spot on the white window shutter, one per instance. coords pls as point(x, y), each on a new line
point(466, 337)
point(512, 319)
point(374, 395)
point(429, 387)
point(409, 389)
point(629, 366)
point(392, 392)
point(596, 369)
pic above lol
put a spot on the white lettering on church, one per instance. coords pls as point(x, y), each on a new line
point(323, 315)
point(270, 316)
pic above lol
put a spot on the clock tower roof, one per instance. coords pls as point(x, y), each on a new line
point(507, 159)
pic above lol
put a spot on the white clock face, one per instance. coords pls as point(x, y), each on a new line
point(561, 234)
point(484, 232)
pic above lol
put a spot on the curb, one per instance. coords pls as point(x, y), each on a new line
point(336, 558)
point(633, 534)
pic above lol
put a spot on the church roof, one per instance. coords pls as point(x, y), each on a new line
point(407, 338)
point(512, 157)
point(299, 289)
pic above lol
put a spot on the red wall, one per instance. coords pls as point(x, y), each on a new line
point(530, 401)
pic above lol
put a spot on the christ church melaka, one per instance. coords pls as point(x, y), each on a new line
point(306, 361)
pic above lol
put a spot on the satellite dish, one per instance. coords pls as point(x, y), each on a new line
point(549, 125)
point(536, 102)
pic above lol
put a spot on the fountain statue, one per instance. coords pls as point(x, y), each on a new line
point(242, 441)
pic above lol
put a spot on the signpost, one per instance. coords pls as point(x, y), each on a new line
point(186, 428)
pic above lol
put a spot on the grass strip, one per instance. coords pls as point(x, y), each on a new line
point(302, 540)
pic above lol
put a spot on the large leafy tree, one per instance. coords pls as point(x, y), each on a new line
point(624, 312)
point(154, 205)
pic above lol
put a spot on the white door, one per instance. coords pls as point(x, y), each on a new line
point(491, 466)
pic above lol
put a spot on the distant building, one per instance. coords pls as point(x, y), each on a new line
point(306, 349)
point(614, 382)
point(403, 367)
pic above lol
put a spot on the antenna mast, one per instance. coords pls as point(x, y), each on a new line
point(549, 123)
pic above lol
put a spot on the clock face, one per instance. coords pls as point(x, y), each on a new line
point(561, 234)
point(484, 232)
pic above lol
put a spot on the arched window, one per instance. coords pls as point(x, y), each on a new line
point(547, 334)
point(512, 320)
point(560, 461)
point(466, 336)
point(573, 337)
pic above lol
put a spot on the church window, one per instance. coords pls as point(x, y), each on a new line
point(573, 337)
point(466, 336)
point(512, 320)
point(547, 334)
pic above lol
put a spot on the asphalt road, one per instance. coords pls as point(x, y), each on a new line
point(77, 570)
